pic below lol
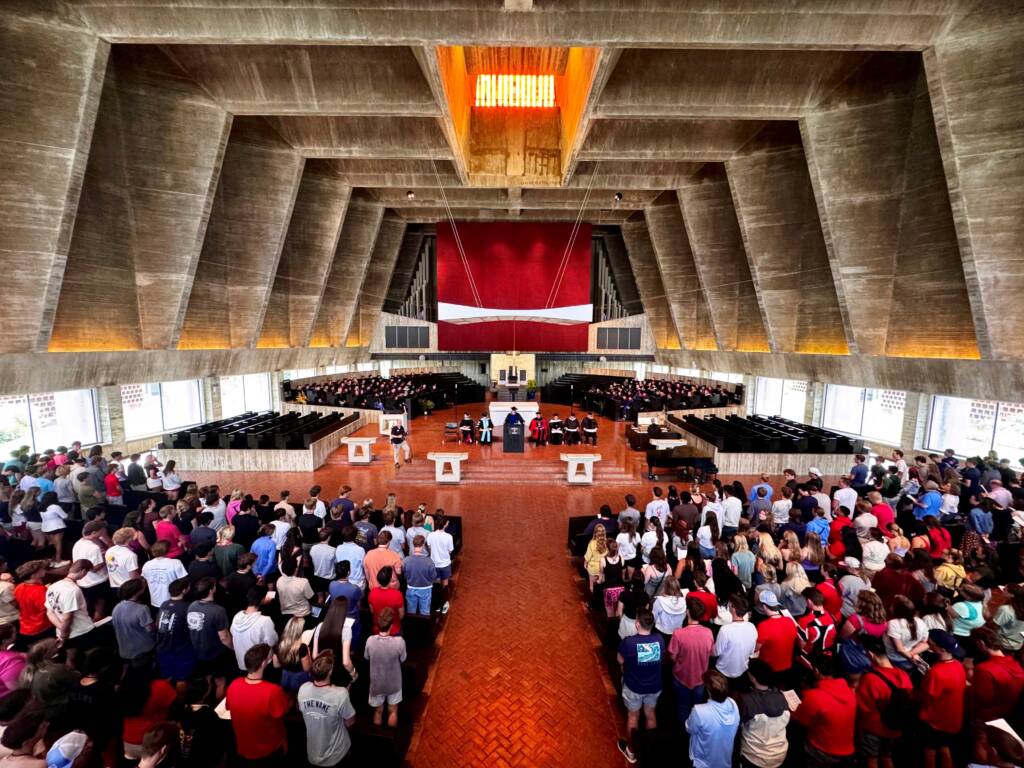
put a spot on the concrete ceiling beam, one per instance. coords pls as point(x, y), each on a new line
point(374, 287)
point(650, 285)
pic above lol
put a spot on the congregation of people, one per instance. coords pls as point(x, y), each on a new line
point(877, 622)
point(361, 391)
point(639, 395)
point(217, 629)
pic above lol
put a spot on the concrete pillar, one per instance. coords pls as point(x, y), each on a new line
point(211, 398)
point(649, 283)
point(810, 402)
point(778, 219)
point(51, 78)
point(976, 82)
point(258, 183)
point(722, 265)
point(306, 258)
point(341, 291)
point(686, 299)
point(375, 282)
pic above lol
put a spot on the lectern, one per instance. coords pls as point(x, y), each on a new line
point(512, 438)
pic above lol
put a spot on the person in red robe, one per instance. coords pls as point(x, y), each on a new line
point(539, 430)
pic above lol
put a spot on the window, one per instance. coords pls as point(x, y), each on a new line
point(239, 394)
point(298, 373)
point(731, 378)
point(871, 413)
point(150, 409)
point(406, 336)
point(47, 420)
point(618, 338)
point(780, 397)
point(974, 427)
point(364, 366)
point(692, 372)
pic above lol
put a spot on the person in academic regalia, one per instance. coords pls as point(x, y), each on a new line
point(466, 428)
point(485, 428)
point(589, 425)
point(572, 430)
point(539, 430)
point(514, 417)
point(555, 430)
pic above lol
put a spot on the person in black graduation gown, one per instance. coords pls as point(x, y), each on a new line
point(514, 417)
point(589, 425)
point(466, 428)
point(572, 430)
point(555, 430)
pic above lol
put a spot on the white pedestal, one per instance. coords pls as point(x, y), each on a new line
point(360, 449)
point(452, 460)
point(666, 443)
point(388, 420)
point(580, 467)
point(499, 410)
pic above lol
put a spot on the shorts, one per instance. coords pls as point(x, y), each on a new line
point(635, 701)
point(319, 584)
point(873, 745)
point(95, 594)
point(82, 642)
point(393, 699)
point(223, 665)
point(611, 597)
point(935, 739)
point(177, 666)
point(444, 573)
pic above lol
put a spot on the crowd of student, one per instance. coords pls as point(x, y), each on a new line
point(361, 392)
point(833, 629)
point(137, 648)
point(635, 396)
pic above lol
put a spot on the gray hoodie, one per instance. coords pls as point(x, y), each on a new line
point(249, 629)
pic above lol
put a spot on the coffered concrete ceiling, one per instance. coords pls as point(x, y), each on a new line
point(798, 178)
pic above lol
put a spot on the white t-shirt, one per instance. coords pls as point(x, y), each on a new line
point(322, 555)
point(172, 482)
point(159, 573)
point(873, 554)
point(627, 545)
point(281, 528)
point(53, 518)
point(648, 542)
point(293, 593)
point(321, 509)
point(903, 469)
point(780, 511)
point(825, 503)
point(732, 508)
point(657, 508)
point(704, 537)
point(121, 562)
point(863, 524)
point(441, 545)
point(87, 549)
point(63, 597)
point(899, 629)
point(735, 643)
point(847, 497)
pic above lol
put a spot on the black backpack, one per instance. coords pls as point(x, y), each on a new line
point(900, 712)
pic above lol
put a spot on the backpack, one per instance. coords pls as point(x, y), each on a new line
point(900, 712)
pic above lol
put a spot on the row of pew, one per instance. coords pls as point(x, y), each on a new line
point(763, 434)
point(267, 430)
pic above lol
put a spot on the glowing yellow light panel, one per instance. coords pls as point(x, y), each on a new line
point(515, 91)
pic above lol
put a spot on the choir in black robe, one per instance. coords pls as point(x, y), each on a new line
point(589, 430)
point(555, 430)
point(572, 431)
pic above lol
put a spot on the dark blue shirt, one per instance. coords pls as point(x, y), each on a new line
point(642, 657)
point(859, 474)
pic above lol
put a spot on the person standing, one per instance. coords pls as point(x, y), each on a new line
point(160, 571)
point(735, 643)
point(764, 715)
point(385, 651)
point(657, 507)
point(589, 425)
point(250, 627)
point(874, 694)
point(257, 712)
point(641, 657)
point(776, 635)
point(400, 444)
point(94, 584)
point(732, 510)
point(67, 610)
point(828, 712)
point(441, 545)
point(690, 651)
point(712, 726)
point(327, 712)
point(209, 635)
point(420, 574)
point(941, 696)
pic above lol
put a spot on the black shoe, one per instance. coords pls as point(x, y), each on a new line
point(626, 751)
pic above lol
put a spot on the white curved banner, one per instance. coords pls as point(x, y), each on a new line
point(463, 313)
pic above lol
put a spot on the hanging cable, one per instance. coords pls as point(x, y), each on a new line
point(458, 239)
point(577, 224)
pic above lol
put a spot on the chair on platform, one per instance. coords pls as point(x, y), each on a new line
point(451, 430)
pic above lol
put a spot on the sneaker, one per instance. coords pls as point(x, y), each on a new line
point(408, 461)
point(444, 608)
point(626, 751)
point(397, 465)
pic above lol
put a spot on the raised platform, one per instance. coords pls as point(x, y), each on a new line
point(524, 469)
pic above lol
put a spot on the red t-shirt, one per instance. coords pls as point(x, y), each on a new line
point(31, 600)
point(156, 710)
point(836, 548)
point(997, 685)
point(873, 695)
point(833, 600)
point(112, 484)
point(257, 715)
point(942, 696)
point(777, 638)
point(885, 516)
point(710, 603)
point(828, 711)
point(381, 598)
point(940, 542)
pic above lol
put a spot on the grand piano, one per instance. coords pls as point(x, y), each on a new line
point(684, 460)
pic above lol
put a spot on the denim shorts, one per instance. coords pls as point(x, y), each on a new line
point(635, 701)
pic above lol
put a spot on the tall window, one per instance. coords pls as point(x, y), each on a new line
point(150, 409)
point(47, 420)
point(780, 397)
point(975, 427)
point(298, 373)
point(732, 378)
point(239, 394)
point(872, 413)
